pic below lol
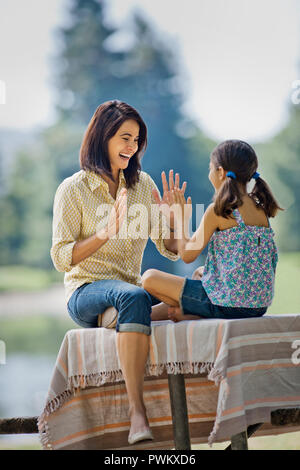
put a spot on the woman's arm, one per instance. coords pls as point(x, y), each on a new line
point(66, 251)
point(85, 248)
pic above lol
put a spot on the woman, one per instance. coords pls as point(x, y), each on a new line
point(103, 268)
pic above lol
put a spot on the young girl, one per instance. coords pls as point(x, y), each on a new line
point(237, 280)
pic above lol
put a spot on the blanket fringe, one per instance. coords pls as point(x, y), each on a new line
point(217, 376)
point(78, 382)
point(179, 368)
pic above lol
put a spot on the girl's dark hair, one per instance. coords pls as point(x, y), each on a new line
point(240, 157)
point(107, 119)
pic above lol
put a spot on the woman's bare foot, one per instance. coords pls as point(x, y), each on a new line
point(176, 314)
point(138, 422)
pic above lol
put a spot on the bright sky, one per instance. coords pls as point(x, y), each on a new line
point(239, 59)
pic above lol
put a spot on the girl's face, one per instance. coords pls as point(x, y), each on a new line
point(216, 175)
point(123, 145)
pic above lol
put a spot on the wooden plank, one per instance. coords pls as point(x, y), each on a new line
point(179, 411)
point(285, 416)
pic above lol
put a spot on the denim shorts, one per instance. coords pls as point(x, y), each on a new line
point(194, 301)
point(133, 304)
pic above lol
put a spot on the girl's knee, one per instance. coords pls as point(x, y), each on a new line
point(149, 277)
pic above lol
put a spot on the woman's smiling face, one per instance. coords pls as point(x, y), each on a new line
point(123, 145)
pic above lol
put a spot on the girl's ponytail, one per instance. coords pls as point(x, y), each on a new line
point(227, 198)
point(262, 195)
point(240, 161)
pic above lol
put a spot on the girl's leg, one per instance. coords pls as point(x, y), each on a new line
point(159, 312)
point(164, 286)
point(176, 314)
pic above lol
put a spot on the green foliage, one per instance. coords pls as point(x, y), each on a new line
point(287, 294)
point(34, 334)
point(280, 163)
point(25, 278)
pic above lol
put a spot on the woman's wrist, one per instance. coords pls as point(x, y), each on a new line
point(102, 234)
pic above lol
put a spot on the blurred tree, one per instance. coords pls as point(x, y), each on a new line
point(280, 165)
point(91, 67)
point(83, 71)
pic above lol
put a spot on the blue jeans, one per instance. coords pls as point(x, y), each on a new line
point(194, 301)
point(133, 304)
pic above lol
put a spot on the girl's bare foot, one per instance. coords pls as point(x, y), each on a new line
point(176, 314)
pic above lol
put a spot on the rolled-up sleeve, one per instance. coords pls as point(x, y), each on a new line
point(66, 226)
point(159, 229)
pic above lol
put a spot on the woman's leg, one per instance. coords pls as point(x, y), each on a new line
point(133, 349)
point(133, 329)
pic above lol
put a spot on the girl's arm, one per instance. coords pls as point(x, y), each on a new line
point(190, 248)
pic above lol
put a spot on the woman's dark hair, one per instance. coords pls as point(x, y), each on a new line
point(240, 157)
point(107, 119)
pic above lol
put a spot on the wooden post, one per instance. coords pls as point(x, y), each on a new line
point(19, 425)
point(239, 441)
point(179, 412)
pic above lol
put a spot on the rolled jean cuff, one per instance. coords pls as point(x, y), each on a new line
point(135, 327)
point(181, 293)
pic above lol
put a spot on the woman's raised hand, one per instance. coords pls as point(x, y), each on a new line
point(166, 202)
point(116, 216)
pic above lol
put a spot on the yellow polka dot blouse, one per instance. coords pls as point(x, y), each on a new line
point(81, 206)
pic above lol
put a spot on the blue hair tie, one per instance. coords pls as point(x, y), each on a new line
point(255, 175)
point(231, 174)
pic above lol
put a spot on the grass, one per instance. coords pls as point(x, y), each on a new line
point(287, 441)
point(25, 278)
point(287, 292)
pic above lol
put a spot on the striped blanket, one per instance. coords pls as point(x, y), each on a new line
point(236, 373)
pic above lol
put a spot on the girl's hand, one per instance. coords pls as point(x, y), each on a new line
point(165, 203)
point(181, 208)
point(116, 217)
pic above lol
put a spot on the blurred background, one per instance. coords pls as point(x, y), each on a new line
point(198, 72)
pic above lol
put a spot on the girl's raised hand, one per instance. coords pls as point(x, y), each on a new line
point(181, 208)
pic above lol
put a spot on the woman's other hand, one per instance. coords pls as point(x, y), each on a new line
point(116, 217)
